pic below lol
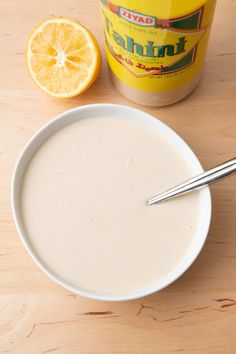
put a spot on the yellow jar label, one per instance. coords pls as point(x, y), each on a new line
point(151, 53)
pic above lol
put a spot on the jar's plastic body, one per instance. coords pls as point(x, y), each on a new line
point(156, 50)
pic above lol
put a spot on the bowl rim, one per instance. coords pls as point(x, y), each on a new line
point(205, 203)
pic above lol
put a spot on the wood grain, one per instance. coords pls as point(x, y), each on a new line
point(196, 314)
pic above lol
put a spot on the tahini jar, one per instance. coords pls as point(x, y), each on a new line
point(156, 48)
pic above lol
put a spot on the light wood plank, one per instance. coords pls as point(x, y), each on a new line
point(197, 314)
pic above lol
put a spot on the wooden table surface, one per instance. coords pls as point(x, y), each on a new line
point(196, 314)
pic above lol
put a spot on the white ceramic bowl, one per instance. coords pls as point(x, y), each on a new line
point(97, 110)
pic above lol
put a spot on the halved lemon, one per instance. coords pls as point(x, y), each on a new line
point(63, 57)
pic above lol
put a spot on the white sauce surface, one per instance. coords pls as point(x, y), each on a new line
point(84, 205)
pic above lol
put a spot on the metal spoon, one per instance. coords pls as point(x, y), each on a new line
point(214, 175)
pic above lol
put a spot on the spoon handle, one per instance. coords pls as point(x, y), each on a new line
point(213, 175)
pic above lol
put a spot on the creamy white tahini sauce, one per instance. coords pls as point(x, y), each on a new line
point(84, 205)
